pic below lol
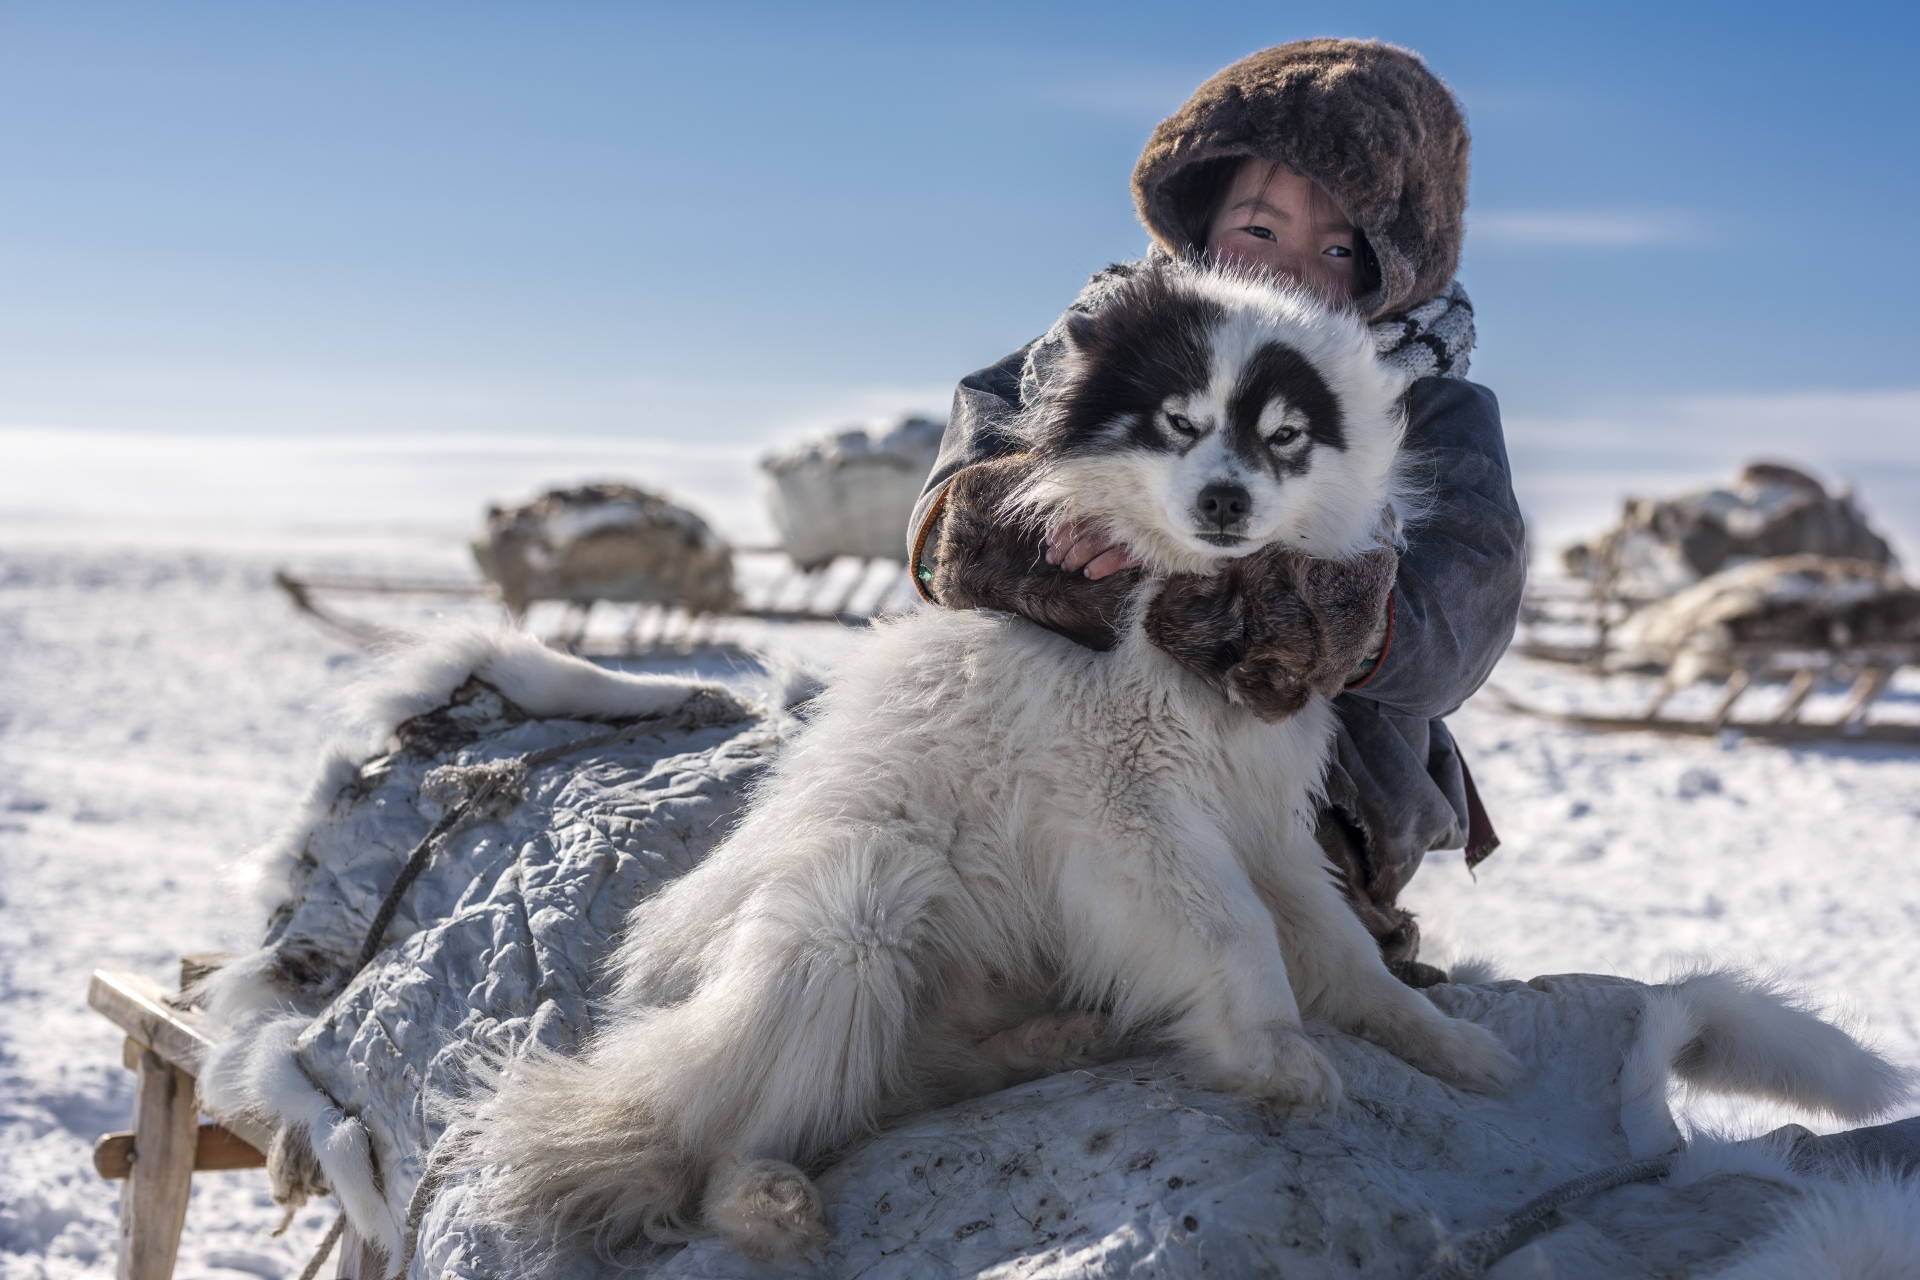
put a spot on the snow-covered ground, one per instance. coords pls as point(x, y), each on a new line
point(160, 706)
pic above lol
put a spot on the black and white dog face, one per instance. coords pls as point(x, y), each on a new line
point(1207, 414)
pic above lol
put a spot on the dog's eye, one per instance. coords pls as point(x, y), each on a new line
point(1180, 423)
point(1283, 437)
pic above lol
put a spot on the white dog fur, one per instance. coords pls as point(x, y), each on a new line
point(986, 833)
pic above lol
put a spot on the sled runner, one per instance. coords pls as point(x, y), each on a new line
point(845, 591)
point(1870, 672)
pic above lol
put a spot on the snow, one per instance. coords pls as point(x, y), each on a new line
point(161, 707)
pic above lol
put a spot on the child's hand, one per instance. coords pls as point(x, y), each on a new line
point(1089, 548)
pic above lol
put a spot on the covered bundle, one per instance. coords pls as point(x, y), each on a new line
point(605, 542)
point(1126, 1169)
point(1786, 603)
point(851, 493)
point(1662, 545)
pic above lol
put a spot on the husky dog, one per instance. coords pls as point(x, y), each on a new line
point(994, 853)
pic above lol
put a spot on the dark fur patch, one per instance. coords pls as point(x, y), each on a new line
point(984, 561)
point(1146, 343)
point(1278, 372)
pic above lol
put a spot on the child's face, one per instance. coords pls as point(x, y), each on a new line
point(1283, 222)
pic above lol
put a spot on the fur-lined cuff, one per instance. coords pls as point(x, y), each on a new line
point(1367, 670)
point(919, 566)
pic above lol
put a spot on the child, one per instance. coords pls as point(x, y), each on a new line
point(1341, 164)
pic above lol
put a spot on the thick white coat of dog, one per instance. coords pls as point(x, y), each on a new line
point(993, 851)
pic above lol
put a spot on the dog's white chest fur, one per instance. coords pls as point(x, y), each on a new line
point(1044, 756)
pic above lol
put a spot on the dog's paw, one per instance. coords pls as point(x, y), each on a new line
point(1063, 1042)
point(1469, 1056)
point(765, 1209)
point(1286, 1073)
point(1044, 1046)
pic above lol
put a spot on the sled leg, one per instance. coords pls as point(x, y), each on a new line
point(1736, 685)
point(1797, 692)
point(153, 1200)
point(1871, 683)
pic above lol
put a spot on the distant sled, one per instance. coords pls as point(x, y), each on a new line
point(612, 570)
point(1773, 587)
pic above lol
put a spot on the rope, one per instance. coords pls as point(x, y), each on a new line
point(1468, 1258)
point(326, 1247)
point(492, 789)
point(495, 787)
point(438, 1167)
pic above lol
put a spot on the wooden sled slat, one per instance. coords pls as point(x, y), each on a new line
point(215, 1147)
point(154, 1019)
point(1789, 731)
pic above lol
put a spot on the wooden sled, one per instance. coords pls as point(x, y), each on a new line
point(827, 593)
point(155, 1161)
point(1871, 669)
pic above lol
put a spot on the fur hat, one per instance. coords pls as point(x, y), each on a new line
point(1365, 120)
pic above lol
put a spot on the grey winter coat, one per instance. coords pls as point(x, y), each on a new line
point(1398, 781)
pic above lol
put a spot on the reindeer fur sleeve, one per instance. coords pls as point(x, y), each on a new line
point(984, 560)
point(1275, 628)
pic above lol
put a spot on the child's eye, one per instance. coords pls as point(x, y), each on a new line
point(1338, 251)
point(1260, 232)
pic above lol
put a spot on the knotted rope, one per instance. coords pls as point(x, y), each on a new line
point(1469, 1257)
point(492, 789)
point(477, 792)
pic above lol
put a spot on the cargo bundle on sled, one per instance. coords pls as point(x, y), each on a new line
point(1775, 588)
point(612, 569)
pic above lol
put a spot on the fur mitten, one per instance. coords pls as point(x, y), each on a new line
point(1275, 628)
point(985, 561)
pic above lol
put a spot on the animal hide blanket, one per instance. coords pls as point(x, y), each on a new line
point(1125, 1170)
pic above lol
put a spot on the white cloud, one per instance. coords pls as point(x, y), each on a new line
point(1576, 229)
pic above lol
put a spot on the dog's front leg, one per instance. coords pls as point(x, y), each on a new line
point(1339, 977)
point(1186, 940)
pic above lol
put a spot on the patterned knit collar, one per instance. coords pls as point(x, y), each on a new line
point(1433, 340)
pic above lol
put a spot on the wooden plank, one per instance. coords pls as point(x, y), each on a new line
point(217, 1147)
point(153, 1019)
point(198, 966)
point(153, 1199)
point(150, 1014)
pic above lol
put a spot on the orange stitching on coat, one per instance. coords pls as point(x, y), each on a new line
point(1385, 645)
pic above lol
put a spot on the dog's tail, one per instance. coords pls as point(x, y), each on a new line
point(1729, 1031)
point(570, 1147)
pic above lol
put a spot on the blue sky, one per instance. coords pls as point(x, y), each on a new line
point(707, 222)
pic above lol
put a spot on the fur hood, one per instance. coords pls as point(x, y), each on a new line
point(1365, 120)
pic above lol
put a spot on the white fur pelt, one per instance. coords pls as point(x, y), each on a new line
point(994, 851)
point(1866, 1227)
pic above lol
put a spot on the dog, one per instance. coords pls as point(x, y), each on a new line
point(992, 853)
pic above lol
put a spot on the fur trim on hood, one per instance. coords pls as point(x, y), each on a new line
point(1365, 120)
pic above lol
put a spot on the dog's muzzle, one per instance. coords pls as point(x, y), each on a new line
point(1221, 513)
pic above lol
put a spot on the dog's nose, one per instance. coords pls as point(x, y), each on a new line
point(1223, 504)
